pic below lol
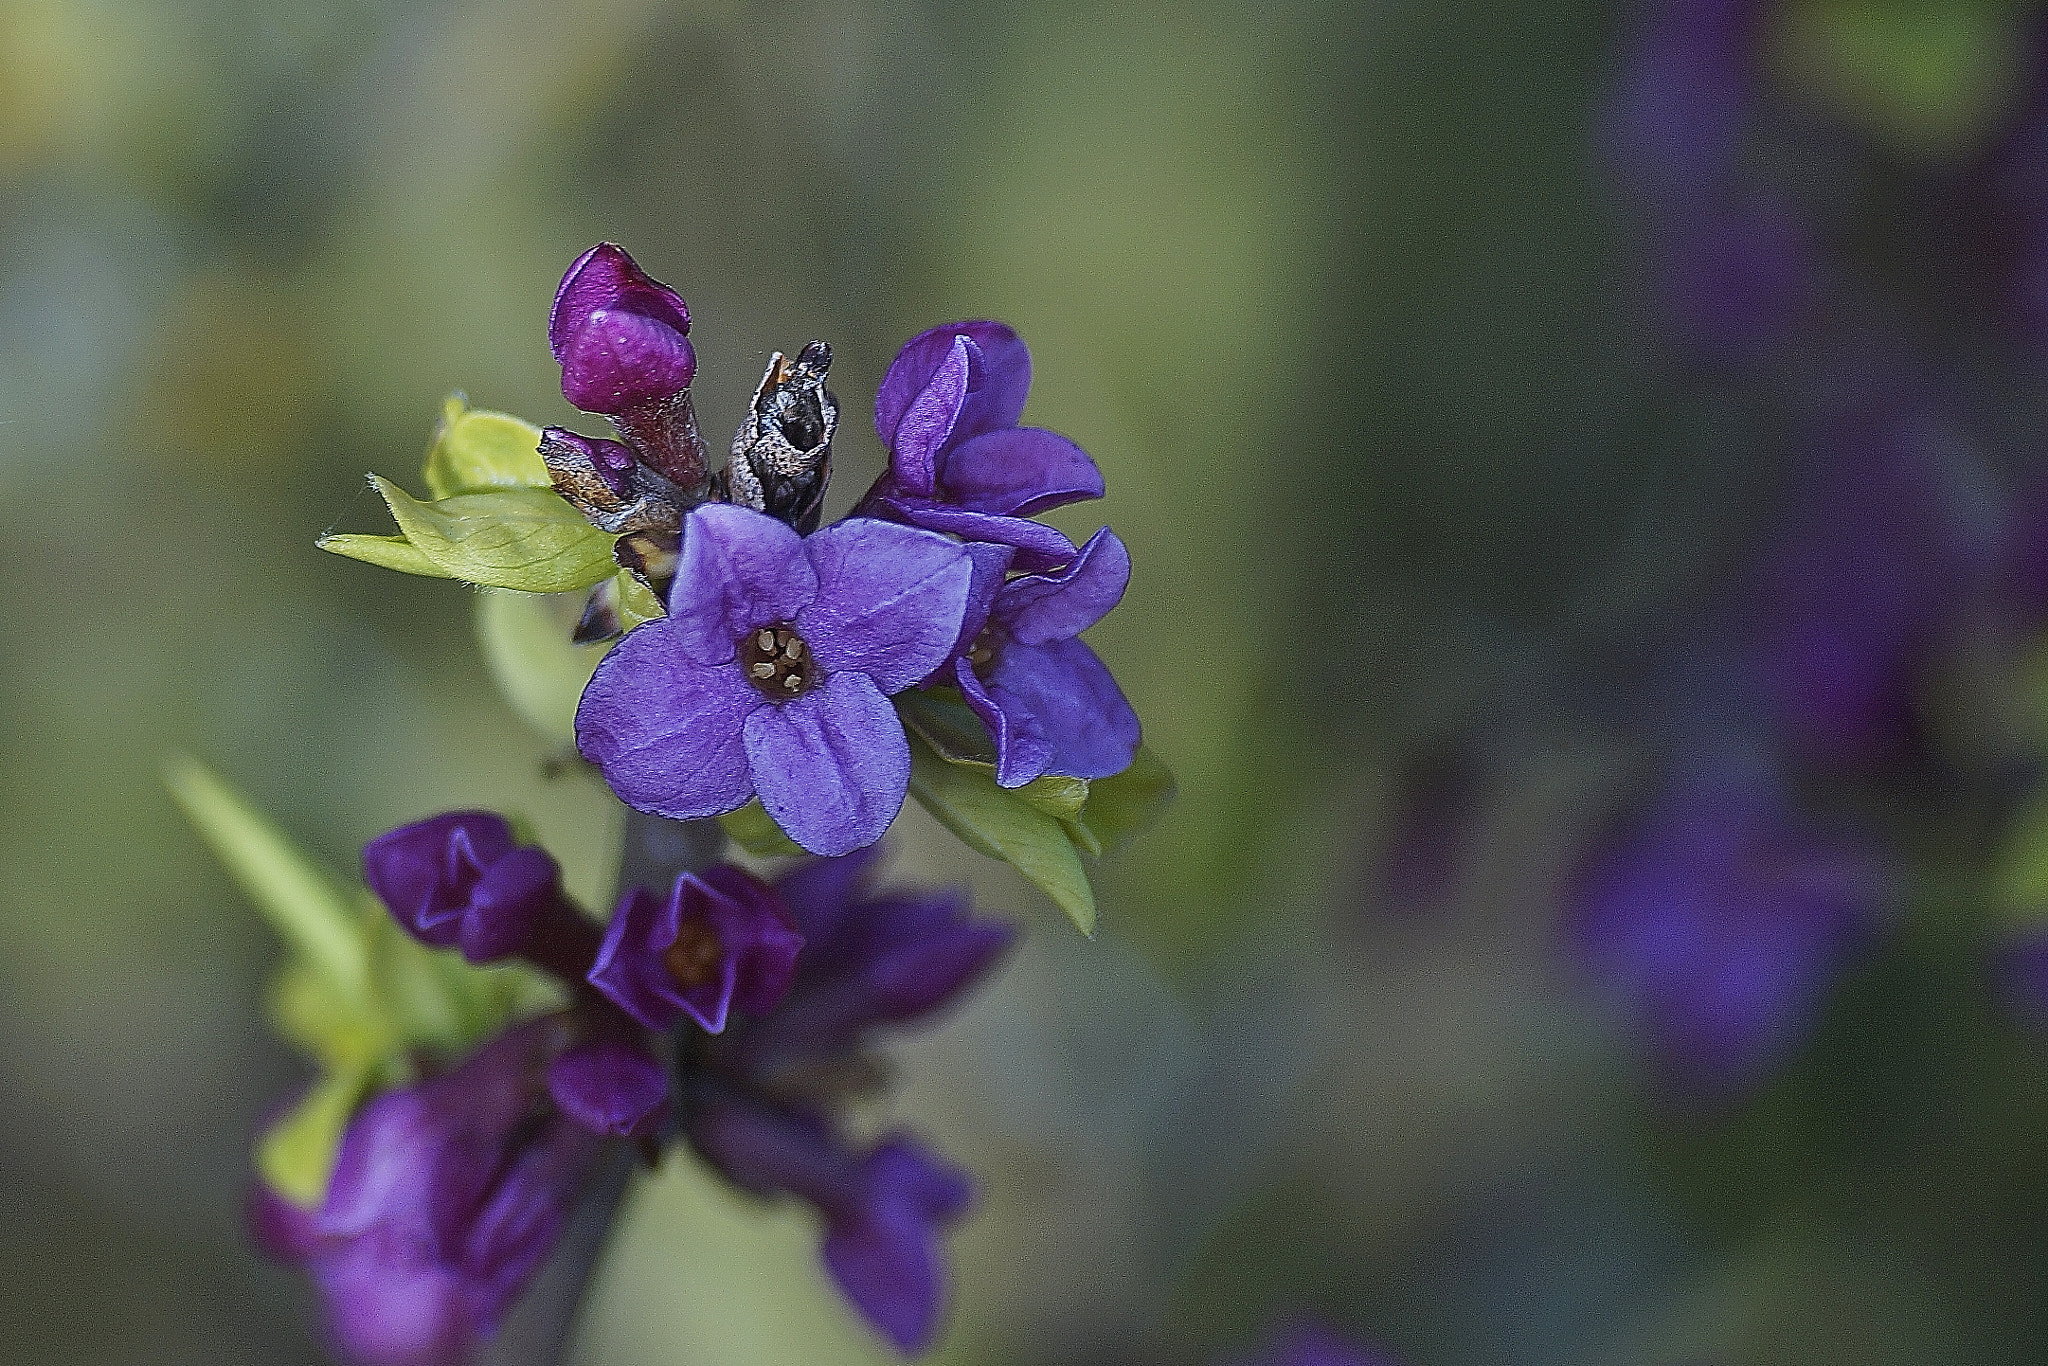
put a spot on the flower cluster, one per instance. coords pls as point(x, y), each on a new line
point(771, 674)
point(716, 1012)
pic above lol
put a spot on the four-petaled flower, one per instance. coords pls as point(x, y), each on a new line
point(719, 940)
point(958, 462)
point(1049, 704)
point(772, 671)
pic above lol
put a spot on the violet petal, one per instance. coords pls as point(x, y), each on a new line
point(1019, 471)
point(1023, 750)
point(890, 600)
point(1094, 732)
point(611, 1087)
point(666, 730)
point(1038, 608)
point(996, 391)
point(833, 766)
point(740, 570)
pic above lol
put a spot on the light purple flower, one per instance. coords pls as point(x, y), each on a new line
point(447, 1196)
point(719, 940)
point(958, 462)
point(1049, 703)
point(771, 675)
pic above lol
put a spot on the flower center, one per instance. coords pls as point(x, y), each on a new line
point(982, 653)
point(693, 959)
point(778, 662)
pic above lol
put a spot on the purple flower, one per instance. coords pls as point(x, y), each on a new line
point(763, 1094)
point(621, 337)
point(1309, 1344)
point(1675, 123)
point(1048, 702)
point(461, 880)
point(1718, 926)
point(958, 462)
point(1736, 281)
point(884, 1209)
point(772, 671)
point(718, 940)
point(447, 1196)
point(611, 1085)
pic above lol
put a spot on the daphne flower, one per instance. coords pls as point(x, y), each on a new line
point(771, 675)
point(717, 940)
point(958, 462)
point(1048, 702)
point(763, 1096)
point(447, 1196)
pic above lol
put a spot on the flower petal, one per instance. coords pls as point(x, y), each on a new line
point(665, 729)
point(610, 1087)
point(996, 387)
point(740, 570)
point(1039, 547)
point(1018, 471)
point(606, 277)
point(890, 600)
point(1042, 607)
point(1022, 750)
point(833, 766)
point(617, 360)
point(1093, 730)
point(920, 435)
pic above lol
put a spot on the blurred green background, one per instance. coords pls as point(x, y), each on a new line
point(1329, 290)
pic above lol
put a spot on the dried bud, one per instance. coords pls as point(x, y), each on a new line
point(603, 481)
point(782, 454)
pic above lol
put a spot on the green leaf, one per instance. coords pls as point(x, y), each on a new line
point(301, 903)
point(386, 552)
point(475, 449)
point(943, 720)
point(434, 999)
point(296, 1155)
point(526, 646)
point(637, 603)
point(1119, 807)
point(1003, 825)
point(754, 830)
point(523, 538)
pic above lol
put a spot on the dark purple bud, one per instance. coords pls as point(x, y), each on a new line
point(611, 1086)
point(719, 940)
point(459, 880)
point(622, 337)
point(447, 1196)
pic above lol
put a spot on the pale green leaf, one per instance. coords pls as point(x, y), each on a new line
point(386, 552)
point(1119, 807)
point(306, 909)
point(1003, 825)
point(523, 538)
point(432, 997)
point(337, 1030)
point(754, 830)
point(296, 1155)
point(637, 603)
point(526, 646)
point(475, 449)
point(942, 718)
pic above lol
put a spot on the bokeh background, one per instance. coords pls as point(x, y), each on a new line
point(1443, 432)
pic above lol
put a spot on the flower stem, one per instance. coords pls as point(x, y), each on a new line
point(541, 1330)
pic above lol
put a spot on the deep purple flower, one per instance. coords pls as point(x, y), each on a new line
point(446, 1197)
point(1675, 123)
point(1308, 1344)
point(958, 462)
point(462, 880)
point(611, 1085)
point(1048, 702)
point(622, 338)
point(718, 940)
point(772, 671)
point(763, 1094)
point(1736, 281)
point(1718, 926)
